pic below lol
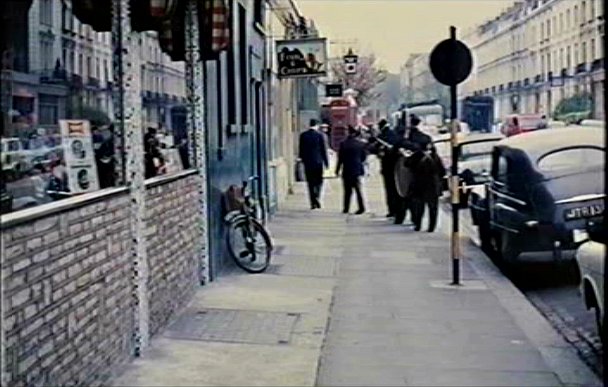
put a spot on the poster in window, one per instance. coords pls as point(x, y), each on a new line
point(79, 156)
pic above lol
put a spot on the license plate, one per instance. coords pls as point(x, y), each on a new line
point(584, 212)
point(579, 236)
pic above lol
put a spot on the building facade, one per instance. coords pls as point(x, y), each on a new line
point(63, 68)
point(418, 83)
point(538, 53)
point(89, 277)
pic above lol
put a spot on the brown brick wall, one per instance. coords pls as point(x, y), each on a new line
point(174, 242)
point(68, 303)
point(67, 295)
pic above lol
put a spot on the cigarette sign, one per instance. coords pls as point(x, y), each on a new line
point(78, 155)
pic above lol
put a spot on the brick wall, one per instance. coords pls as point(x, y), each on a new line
point(67, 295)
point(174, 245)
point(68, 287)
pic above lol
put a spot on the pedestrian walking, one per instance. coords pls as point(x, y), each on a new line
point(351, 159)
point(383, 149)
point(313, 154)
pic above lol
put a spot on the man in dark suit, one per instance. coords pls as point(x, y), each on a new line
point(387, 165)
point(313, 153)
point(351, 156)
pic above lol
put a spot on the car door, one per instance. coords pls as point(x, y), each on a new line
point(507, 204)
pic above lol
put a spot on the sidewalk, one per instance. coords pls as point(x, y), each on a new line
point(354, 300)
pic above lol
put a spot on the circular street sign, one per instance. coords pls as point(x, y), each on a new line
point(451, 62)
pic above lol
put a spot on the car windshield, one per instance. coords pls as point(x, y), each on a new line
point(573, 158)
point(477, 150)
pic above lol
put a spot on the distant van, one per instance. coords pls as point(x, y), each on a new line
point(522, 123)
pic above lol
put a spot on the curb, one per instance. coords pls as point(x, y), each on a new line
point(559, 355)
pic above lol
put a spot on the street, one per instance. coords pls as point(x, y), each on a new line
point(554, 291)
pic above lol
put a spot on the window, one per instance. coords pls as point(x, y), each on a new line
point(48, 110)
point(583, 12)
point(576, 15)
point(542, 32)
point(576, 54)
point(46, 54)
point(80, 65)
point(568, 57)
point(568, 19)
point(592, 9)
point(561, 57)
point(46, 12)
point(499, 168)
point(584, 52)
point(258, 12)
point(64, 16)
point(243, 65)
point(571, 159)
point(476, 150)
point(592, 50)
point(89, 67)
point(548, 29)
point(97, 68)
point(561, 23)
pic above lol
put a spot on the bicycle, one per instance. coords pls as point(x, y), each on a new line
point(248, 241)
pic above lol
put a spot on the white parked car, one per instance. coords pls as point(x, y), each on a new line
point(591, 257)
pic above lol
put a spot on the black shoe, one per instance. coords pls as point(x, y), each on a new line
point(345, 211)
point(417, 228)
point(389, 215)
point(361, 211)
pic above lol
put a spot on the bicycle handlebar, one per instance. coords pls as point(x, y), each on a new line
point(250, 179)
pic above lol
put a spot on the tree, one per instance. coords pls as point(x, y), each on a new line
point(365, 82)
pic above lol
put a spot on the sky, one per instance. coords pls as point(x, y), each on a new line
point(393, 29)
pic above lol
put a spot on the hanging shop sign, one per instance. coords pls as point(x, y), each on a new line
point(334, 90)
point(78, 155)
point(350, 63)
point(299, 58)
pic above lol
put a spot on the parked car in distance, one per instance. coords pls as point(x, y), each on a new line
point(523, 123)
point(544, 188)
point(591, 258)
point(14, 161)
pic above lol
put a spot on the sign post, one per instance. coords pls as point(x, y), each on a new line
point(451, 63)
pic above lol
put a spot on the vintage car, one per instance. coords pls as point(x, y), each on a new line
point(474, 161)
point(544, 188)
point(591, 258)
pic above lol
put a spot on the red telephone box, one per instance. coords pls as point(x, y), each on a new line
point(342, 114)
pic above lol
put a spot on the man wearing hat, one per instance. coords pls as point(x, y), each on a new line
point(351, 158)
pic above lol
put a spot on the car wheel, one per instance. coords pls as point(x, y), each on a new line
point(505, 249)
point(598, 322)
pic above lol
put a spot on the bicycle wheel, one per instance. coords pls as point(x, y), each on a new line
point(249, 245)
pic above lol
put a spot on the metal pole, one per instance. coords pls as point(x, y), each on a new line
point(455, 180)
point(195, 83)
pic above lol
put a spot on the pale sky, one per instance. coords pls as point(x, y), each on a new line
point(393, 29)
